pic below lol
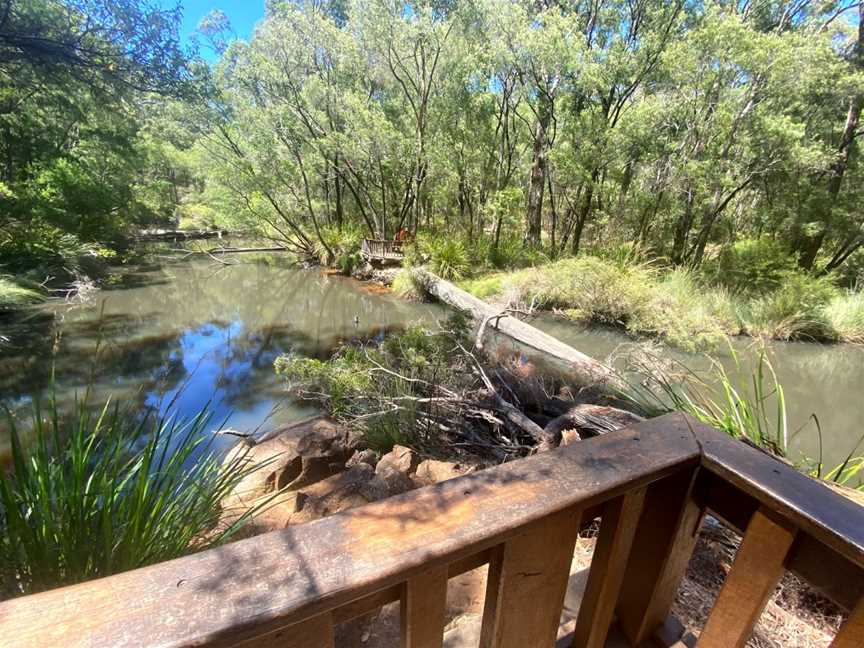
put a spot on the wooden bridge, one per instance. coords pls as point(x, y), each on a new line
point(381, 251)
point(650, 485)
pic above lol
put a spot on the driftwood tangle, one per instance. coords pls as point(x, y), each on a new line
point(586, 370)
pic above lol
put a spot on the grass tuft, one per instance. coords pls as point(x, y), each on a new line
point(105, 491)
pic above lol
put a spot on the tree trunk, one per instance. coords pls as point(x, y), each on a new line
point(584, 369)
point(534, 215)
point(809, 245)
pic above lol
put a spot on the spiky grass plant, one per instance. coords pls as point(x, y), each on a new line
point(756, 413)
point(104, 491)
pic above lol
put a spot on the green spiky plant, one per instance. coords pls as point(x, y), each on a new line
point(106, 490)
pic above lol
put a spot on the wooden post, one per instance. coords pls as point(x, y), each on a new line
point(755, 572)
point(617, 530)
point(851, 633)
point(666, 535)
point(527, 581)
point(422, 609)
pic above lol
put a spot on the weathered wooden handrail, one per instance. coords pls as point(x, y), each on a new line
point(382, 249)
point(652, 482)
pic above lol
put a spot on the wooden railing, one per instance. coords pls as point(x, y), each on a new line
point(650, 485)
point(381, 249)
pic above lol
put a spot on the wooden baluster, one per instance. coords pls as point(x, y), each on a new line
point(666, 535)
point(528, 578)
point(757, 568)
point(617, 530)
point(316, 632)
point(851, 633)
point(422, 609)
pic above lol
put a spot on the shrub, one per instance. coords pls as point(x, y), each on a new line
point(845, 317)
point(680, 312)
point(105, 491)
point(14, 295)
point(751, 266)
point(383, 388)
point(39, 249)
point(448, 258)
point(794, 310)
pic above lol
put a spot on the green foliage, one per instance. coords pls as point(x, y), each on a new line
point(405, 285)
point(752, 266)
point(794, 310)
point(14, 295)
point(845, 317)
point(105, 491)
point(40, 249)
point(383, 387)
point(445, 256)
point(757, 413)
point(624, 292)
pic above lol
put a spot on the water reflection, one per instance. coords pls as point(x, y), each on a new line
point(822, 380)
point(195, 333)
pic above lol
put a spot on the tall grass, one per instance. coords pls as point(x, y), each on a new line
point(845, 316)
point(103, 491)
point(755, 412)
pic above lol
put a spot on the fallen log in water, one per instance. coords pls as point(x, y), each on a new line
point(586, 370)
point(156, 235)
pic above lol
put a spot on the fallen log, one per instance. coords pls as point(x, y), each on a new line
point(586, 370)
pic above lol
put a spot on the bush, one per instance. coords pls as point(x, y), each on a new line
point(845, 317)
point(106, 491)
point(39, 249)
point(384, 387)
point(794, 310)
point(684, 313)
point(752, 266)
point(14, 295)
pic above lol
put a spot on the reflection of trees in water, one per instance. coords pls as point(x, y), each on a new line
point(140, 328)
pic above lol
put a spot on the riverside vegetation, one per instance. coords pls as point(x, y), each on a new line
point(681, 170)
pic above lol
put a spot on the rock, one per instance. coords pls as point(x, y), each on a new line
point(463, 631)
point(282, 465)
point(431, 471)
point(337, 493)
point(323, 452)
point(275, 514)
point(375, 489)
point(367, 456)
point(400, 458)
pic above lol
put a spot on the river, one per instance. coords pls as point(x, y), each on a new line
point(196, 332)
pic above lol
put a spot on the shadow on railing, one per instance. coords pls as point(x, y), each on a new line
point(652, 482)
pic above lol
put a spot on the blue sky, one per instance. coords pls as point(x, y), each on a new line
point(242, 13)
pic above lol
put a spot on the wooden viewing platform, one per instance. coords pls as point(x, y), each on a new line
point(382, 251)
point(650, 485)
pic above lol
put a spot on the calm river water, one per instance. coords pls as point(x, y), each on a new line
point(196, 332)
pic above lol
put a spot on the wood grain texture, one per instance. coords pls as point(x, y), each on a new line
point(526, 585)
point(316, 632)
point(422, 610)
point(851, 633)
point(223, 596)
point(827, 516)
point(756, 571)
point(608, 565)
point(666, 535)
point(829, 572)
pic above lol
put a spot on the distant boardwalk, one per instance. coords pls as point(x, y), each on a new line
point(382, 252)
